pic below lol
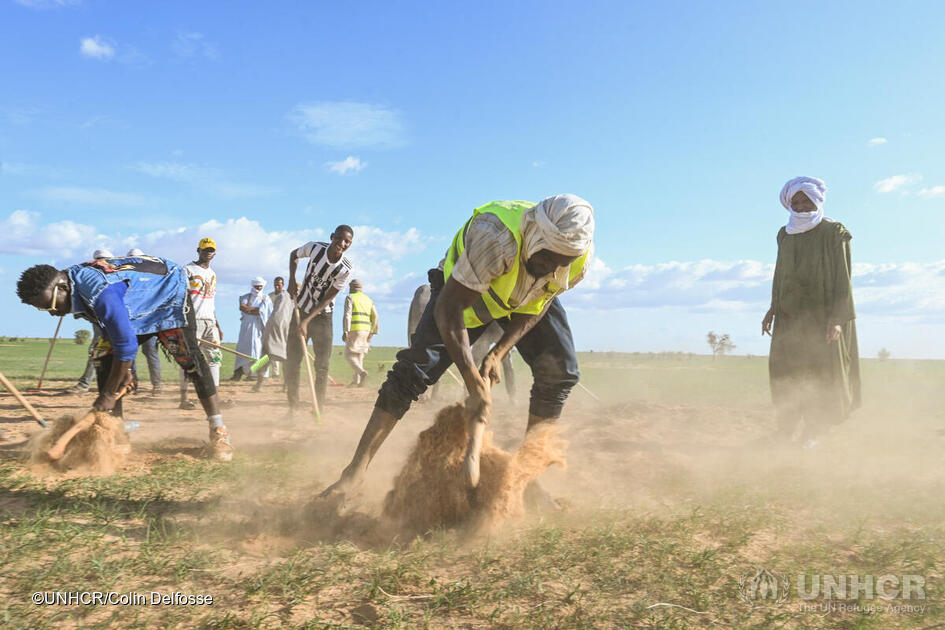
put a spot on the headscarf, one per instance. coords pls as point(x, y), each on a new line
point(816, 191)
point(563, 224)
point(258, 281)
point(355, 285)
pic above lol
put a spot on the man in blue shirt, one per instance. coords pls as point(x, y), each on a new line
point(132, 299)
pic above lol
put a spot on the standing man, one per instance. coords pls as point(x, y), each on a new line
point(255, 307)
point(327, 273)
point(85, 381)
point(360, 325)
point(814, 363)
point(202, 289)
point(149, 347)
point(277, 329)
point(507, 264)
point(131, 299)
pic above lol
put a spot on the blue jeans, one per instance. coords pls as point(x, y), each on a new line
point(548, 349)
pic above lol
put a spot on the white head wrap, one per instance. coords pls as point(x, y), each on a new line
point(102, 253)
point(134, 251)
point(563, 223)
point(258, 281)
point(816, 191)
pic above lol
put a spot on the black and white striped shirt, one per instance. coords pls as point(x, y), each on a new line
point(320, 275)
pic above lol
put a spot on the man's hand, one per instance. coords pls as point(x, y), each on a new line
point(344, 336)
point(293, 288)
point(303, 328)
point(491, 368)
point(767, 322)
point(833, 333)
point(479, 402)
point(110, 395)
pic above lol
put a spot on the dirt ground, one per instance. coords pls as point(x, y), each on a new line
point(668, 506)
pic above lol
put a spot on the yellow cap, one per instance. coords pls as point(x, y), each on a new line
point(206, 243)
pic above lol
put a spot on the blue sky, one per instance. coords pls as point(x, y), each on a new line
point(265, 124)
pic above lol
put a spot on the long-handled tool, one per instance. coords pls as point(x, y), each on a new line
point(588, 392)
point(23, 401)
point(258, 364)
point(308, 366)
point(59, 448)
point(52, 344)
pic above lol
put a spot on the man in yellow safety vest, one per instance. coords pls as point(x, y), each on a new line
point(360, 325)
point(507, 264)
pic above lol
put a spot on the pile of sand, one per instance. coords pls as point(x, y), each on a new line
point(100, 449)
point(430, 490)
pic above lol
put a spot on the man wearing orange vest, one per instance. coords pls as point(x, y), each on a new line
point(359, 326)
point(507, 264)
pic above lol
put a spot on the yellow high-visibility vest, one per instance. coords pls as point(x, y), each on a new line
point(494, 302)
point(361, 307)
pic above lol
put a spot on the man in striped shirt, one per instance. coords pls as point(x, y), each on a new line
point(327, 273)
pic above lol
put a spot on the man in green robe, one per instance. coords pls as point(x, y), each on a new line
point(814, 361)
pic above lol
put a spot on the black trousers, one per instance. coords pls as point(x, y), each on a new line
point(548, 349)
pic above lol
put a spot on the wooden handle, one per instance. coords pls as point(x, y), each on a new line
point(225, 349)
point(308, 366)
point(52, 344)
point(23, 401)
point(59, 448)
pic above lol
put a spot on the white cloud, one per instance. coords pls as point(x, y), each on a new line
point(875, 142)
point(96, 48)
point(89, 196)
point(245, 247)
point(192, 45)
point(211, 180)
point(349, 164)
point(22, 234)
point(913, 289)
point(933, 192)
point(896, 182)
point(349, 124)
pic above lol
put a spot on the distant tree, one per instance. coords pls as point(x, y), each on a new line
point(82, 337)
point(883, 354)
point(720, 344)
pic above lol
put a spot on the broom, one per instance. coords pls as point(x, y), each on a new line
point(258, 364)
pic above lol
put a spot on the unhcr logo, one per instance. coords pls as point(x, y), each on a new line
point(764, 587)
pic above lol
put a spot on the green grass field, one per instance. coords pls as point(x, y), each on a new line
point(695, 516)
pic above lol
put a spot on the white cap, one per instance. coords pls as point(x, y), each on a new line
point(259, 282)
point(134, 251)
point(102, 253)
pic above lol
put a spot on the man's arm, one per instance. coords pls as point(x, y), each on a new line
point(518, 326)
point(293, 264)
point(324, 301)
point(111, 311)
point(448, 314)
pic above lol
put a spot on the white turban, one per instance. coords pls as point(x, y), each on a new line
point(134, 251)
point(258, 281)
point(816, 191)
point(563, 223)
